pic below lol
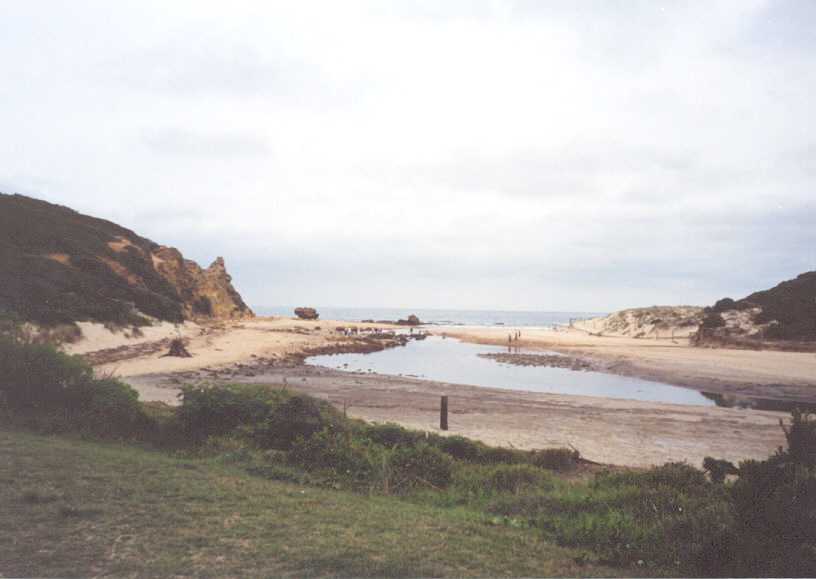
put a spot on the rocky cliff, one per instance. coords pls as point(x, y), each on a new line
point(204, 292)
point(58, 266)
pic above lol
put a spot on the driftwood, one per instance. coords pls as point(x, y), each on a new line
point(177, 349)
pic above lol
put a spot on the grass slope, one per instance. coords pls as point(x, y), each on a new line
point(84, 287)
point(76, 508)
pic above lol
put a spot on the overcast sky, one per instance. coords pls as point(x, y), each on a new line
point(504, 155)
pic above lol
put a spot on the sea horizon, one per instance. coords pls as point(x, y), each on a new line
point(441, 316)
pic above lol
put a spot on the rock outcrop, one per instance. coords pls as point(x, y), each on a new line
point(307, 313)
point(59, 266)
point(205, 293)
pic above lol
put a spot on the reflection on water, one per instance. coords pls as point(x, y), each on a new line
point(457, 362)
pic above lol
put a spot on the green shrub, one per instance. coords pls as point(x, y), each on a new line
point(460, 448)
point(421, 465)
point(390, 435)
point(667, 517)
point(614, 534)
point(718, 469)
point(558, 459)
point(675, 475)
point(297, 416)
point(775, 530)
point(474, 481)
point(218, 410)
point(52, 391)
point(801, 438)
point(266, 417)
point(500, 455)
point(516, 477)
point(340, 457)
point(108, 408)
point(774, 505)
point(36, 377)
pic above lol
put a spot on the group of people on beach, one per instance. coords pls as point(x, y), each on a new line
point(514, 337)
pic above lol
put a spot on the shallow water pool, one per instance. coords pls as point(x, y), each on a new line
point(449, 360)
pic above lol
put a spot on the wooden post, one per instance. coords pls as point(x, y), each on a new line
point(443, 414)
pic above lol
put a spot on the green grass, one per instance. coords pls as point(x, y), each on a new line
point(78, 508)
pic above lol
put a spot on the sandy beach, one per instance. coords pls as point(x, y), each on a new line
point(216, 345)
point(621, 432)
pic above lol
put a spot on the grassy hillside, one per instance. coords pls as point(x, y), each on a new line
point(74, 508)
point(792, 304)
point(785, 312)
point(58, 266)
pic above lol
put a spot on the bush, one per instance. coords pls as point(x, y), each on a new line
point(421, 465)
point(667, 517)
point(460, 448)
point(775, 530)
point(774, 502)
point(391, 435)
point(558, 459)
point(482, 481)
point(340, 457)
point(264, 416)
point(713, 320)
point(674, 475)
point(218, 410)
point(57, 392)
point(499, 455)
point(718, 469)
point(801, 438)
point(298, 416)
point(108, 408)
point(36, 377)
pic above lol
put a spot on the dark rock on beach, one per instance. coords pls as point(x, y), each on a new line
point(307, 313)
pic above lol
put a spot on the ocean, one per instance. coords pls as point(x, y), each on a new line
point(441, 317)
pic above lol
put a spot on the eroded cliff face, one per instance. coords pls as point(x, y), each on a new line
point(204, 293)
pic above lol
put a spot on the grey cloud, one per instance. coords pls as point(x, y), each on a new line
point(570, 171)
point(499, 154)
point(192, 65)
point(171, 141)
